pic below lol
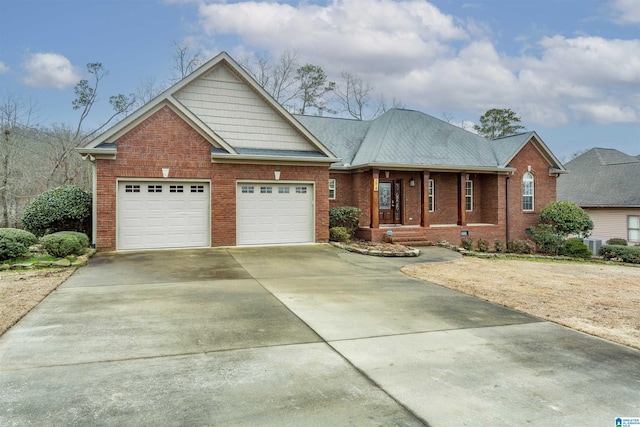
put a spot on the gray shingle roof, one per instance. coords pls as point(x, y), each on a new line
point(411, 138)
point(601, 177)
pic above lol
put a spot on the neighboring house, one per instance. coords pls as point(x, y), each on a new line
point(606, 184)
point(215, 161)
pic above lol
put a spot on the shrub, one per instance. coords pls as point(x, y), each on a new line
point(21, 236)
point(520, 246)
point(548, 240)
point(498, 246)
point(10, 248)
point(345, 216)
point(617, 241)
point(482, 245)
point(339, 234)
point(630, 254)
point(576, 248)
point(566, 218)
point(467, 243)
point(62, 208)
point(64, 243)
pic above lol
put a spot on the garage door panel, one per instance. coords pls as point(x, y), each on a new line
point(163, 215)
point(274, 213)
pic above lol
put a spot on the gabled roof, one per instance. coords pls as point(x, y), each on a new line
point(602, 177)
point(411, 139)
point(170, 98)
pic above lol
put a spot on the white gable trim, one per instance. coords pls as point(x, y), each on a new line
point(166, 98)
point(543, 150)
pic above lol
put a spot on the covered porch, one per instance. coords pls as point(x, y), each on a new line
point(421, 207)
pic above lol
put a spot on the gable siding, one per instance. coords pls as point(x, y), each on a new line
point(238, 114)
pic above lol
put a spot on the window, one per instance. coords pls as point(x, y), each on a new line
point(332, 189)
point(301, 190)
point(247, 189)
point(131, 188)
point(176, 189)
point(154, 188)
point(283, 190)
point(432, 195)
point(634, 228)
point(527, 192)
point(468, 195)
point(197, 188)
point(266, 190)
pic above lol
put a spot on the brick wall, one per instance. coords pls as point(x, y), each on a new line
point(544, 190)
point(164, 140)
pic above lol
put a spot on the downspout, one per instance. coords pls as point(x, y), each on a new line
point(94, 203)
point(506, 220)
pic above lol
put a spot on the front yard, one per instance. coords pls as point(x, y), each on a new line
point(599, 299)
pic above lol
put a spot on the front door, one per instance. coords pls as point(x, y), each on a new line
point(389, 202)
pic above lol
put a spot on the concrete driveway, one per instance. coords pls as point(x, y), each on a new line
point(304, 335)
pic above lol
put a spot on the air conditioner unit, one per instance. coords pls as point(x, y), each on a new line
point(594, 245)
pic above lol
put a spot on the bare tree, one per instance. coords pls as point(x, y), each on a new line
point(16, 115)
point(354, 96)
point(185, 61)
point(395, 103)
point(277, 77)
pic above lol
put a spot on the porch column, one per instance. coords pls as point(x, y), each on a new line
point(462, 217)
point(375, 208)
point(424, 200)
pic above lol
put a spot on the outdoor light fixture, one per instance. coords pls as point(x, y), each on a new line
point(412, 182)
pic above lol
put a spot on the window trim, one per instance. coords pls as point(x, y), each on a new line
point(332, 188)
point(629, 229)
point(526, 178)
point(431, 191)
point(468, 195)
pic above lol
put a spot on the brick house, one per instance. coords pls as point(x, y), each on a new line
point(215, 161)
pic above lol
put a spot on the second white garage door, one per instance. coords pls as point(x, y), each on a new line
point(274, 213)
point(155, 215)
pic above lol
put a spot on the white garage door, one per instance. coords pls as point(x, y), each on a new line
point(154, 215)
point(274, 213)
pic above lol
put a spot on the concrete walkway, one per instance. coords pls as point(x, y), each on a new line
point(304, 335)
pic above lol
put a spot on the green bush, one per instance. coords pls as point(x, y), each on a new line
point(345, 216)
point(64, 243)
point(466, 243)
point(548, 240)
point(630, 254)
point(498, 246)
point(339, 234)
point(575, 248)
point(520, 246)
point(566, 218)
point(62, 208)
point(482, 245)
point(10, 248)
point(617, 241)
point(21, 236)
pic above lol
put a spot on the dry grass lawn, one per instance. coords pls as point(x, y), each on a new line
point(599, 299)
point(21, 291)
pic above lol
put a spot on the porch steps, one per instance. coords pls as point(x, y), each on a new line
point(409, 237)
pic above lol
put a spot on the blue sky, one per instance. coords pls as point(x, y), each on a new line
point(570, 69)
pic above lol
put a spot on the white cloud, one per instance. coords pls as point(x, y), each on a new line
point(50, 70)
point(626, 11)
point(429, 60)
point(3, 68)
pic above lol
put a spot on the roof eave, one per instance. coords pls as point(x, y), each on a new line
point(438, 168)
point(257, 159)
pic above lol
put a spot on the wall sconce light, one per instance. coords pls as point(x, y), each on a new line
point(412, 182)
point(386, 174)
point(165, 172)
point(277, 175)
